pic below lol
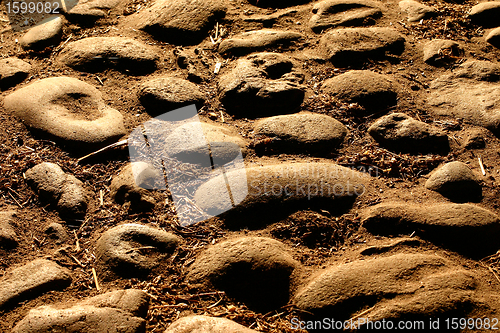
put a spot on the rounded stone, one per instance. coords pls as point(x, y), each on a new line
point(46, 33)
point(456, 181)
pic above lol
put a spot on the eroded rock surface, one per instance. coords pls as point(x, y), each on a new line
point(8, 237)
point(439, 52)
point(258, 40)
point(415, 10)
point(66, 109)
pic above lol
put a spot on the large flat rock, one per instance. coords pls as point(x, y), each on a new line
point(67, 109)
point(465, 228)
point(31, 280)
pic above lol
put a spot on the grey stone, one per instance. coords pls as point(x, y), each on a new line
point(333, 13)
point(371, 90)
point(13, 71)
point(465, 228)
point(471, 93)
point(486, 14)
point(46, 33)
point(395, 287)
point(163, 94)
point(66, 109)
point(254, 270)
point(132, 250)
point(100, 53)
point(493, 37)
point(415, 10)
point(181, 21)
point(8, 237)
point(354, 46)
point(262, 84)
point(131, 185)
point(206, 324)
point(50, 182)
point(456, 181)
point(305, 130)
point(31, 280)
point(401, 133)
point(438, 52)
point(121, 311)
point(258, 40)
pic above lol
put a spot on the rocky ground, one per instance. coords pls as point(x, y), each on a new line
point(393, 106)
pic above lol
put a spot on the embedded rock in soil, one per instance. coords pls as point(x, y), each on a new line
point(132, 250)
point(333, 13)
point(456, 181)
point(100, 53)
point(277, 3)
point(255, 270)
point(31, 280)
point(401, 133)
point(258, 40)
point(305, 130)
point(471, 92)
point(475, 138)
point(262, 84)
point(88, 11)
point(464, 228)
point(120, 311)
point(8, 237)
point(13, 71)
point(415, 10)
point(50, 182)
point(131, 185)
point(439, 52)
point(189, 143)
point(494, 37)
point(285, 187)
point(56, 232)
point(486, 14)
point(394, 287)
point(371, 90)
point(354, 46)
point(197, 64)
point(163, 94)
point(67, 109)
point(183, 22)
point(46, 33)
point(206, 324)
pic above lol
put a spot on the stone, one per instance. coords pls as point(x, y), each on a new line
point(470, 93)
point(465, 228)
point(94, 54)
point(258, 40)
point(255, 270)
point(86, 12)
point(50, 182)
point(262, 84)
point(415, 10)
point(206, 324)
point(196, 63)
point(285, 187)
point(302, 131)
point(45, 34)
point(132, 250)
point(401, 133)
point(394, 287)
point(277, 3)
point(354, 46)
point(32, 280)
point(475, 138)
point(120, 311)
point(439, 52)
point(56, 232)
point(13, 71)
point(184, 22)
point(373, 91)
point(131, 185)
point(486, 14)
point(494, 37)
point(334, 13)
point(456, 181)
point(8, 237)
point(66, 109)
point(163, 94)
